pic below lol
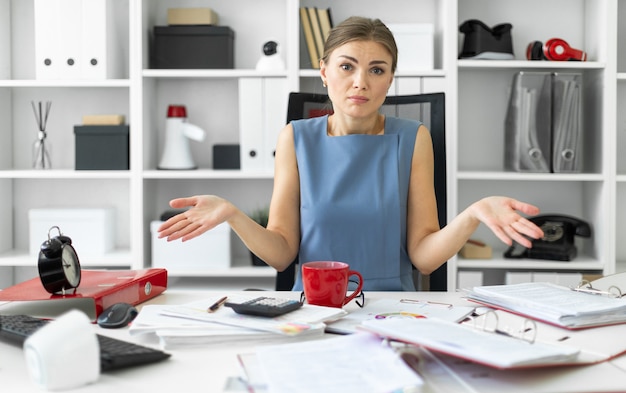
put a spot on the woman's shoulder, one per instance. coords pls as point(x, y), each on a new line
point(401, 125)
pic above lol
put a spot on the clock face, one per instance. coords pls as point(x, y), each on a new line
point(71, 266)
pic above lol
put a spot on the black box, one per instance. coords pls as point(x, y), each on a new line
point(102, 147)
point(193, 47)
point(226, 157)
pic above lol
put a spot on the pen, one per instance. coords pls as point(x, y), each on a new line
point(217, 304)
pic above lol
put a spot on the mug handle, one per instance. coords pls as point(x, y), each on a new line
point(357, 290)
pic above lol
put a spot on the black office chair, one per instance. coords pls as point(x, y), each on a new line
point(428, 108)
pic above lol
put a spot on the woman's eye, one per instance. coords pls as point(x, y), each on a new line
point(378, 71)
point(346, 67)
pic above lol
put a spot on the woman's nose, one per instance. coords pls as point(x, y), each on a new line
point(360, 80)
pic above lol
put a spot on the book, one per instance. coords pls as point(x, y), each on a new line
point(551, 303)
point(308, 37)
point(485, 347)
point(317, 31)
point(98, 290)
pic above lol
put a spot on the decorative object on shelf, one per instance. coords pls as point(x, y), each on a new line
point(260, 216)
point(555, 49)
point(558, 241)
point(271, 59)
point(475, 249)
point(226, 156)
point(484, 42)
point(193, 47)
point(102, 147)
point(41, 147)
point(59, 268)
point(176, 152)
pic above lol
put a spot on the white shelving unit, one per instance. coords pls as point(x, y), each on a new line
point(476, 95)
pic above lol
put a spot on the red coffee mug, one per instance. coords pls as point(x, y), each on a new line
point(326, 283)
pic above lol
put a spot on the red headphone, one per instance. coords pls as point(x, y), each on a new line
point(554, 49)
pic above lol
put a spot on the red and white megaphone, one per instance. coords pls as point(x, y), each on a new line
point(176, 151)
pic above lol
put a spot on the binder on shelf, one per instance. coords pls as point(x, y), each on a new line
point(528, 123)
point(566, 123)
point(326, 22)
point(98, 290)
point(317, 31)
point(543, 125)
point(309, 39)
point(76, 39)
point(262, 114)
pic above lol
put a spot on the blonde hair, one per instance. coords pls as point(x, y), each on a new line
point(357, 28)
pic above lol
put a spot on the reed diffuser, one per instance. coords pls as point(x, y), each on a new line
point(41, 147)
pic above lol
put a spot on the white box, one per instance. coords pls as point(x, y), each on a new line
point(416, 45)
point(209, 251)
point(92, 230)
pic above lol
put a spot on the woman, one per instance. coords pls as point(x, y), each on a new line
point(356, 186)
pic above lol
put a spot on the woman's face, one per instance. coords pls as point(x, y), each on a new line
point(358, 75)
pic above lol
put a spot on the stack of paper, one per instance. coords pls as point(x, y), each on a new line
point(191, 324)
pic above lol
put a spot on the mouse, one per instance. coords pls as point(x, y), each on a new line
point(117, 316)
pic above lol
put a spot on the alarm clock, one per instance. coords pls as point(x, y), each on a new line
point(59, 267)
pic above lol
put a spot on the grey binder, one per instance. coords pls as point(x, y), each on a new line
point(543, 125)
point(528, 123)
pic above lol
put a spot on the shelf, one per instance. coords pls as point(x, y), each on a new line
point(117, 258)
point(233, 272)
point(207, 174)
point(62, 174)
point(65, 83)
point(226, 74)
point(527, 64)
point(579, 264)
point(516, 176)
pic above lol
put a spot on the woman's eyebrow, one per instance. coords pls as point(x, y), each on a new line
point(373, 62)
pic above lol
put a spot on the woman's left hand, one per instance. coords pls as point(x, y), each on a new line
point(500, 214)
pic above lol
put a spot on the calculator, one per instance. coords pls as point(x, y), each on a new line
point(265, 306)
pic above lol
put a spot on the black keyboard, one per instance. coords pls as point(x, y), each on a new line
point(114, 353)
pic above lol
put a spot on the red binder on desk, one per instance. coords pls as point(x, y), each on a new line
point(98, 290)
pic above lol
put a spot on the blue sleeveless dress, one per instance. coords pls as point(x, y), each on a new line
point(353, 200)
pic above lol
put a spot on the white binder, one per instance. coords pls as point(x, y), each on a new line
point(75, 39)
point(262, 114)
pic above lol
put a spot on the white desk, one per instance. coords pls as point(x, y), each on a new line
point(207, 368)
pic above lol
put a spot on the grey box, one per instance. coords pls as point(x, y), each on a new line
point(102, 147)
point(193, 47)
point(226, 157)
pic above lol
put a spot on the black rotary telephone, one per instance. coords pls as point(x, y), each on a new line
point(558, 238)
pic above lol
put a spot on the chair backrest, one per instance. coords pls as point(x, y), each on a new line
point(428, 108)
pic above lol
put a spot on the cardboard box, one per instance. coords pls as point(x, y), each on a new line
point(102, 147)
point(191, 16)
point(415, 43)
point(92, 230)
point(193, 47)
point(209, 251)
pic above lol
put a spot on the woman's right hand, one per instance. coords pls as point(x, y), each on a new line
point(205, 212)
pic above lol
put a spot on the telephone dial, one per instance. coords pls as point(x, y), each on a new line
point(557, 242)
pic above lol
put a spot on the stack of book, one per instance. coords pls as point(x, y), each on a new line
point(316, 24)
